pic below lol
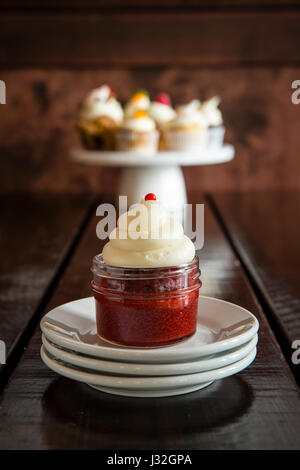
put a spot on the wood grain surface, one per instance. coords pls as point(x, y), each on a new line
point(260, 121)
point(152, 38)
point(19, 6)
point(258, 408)
point(37, 234)
point(53, 53)
point(265, 229)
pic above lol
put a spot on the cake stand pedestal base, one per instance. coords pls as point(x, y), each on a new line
point(160, 174)
point(166, 182)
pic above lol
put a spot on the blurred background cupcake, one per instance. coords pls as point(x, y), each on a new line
point(139, 101)
point(138, 134)
point(162, 113)
point(100, 118)
point(188, 131)
point(214, 119)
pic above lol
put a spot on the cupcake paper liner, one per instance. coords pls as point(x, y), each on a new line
point(145, 143)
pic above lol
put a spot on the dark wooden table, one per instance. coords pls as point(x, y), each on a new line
point(250, 257)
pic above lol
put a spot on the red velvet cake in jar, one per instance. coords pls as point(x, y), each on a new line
point(146, 281)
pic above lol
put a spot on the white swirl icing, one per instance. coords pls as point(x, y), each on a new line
point(146, 237)
point(193, 105)
point(211, 111)
point(189, 115)
point(139, 124)
point(100, 103)
point(161, 113)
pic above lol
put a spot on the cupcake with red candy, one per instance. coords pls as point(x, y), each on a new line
point(101, 116)
point(146, 281)
point(138, 134)
point(162, 113)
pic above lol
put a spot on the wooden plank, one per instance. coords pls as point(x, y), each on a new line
point(265, 229)
point(257, 409)
point(149, 39)
point(25, 5)
point(256, 103)
point(37, 232)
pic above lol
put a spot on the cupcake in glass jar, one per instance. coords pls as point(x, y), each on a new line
point(146, 281)
point(101, 116)
point(138, 134)
point(188, 131)
point(162, 113)
point(213, 116)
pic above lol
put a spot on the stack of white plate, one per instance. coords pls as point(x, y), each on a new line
point(224, 344)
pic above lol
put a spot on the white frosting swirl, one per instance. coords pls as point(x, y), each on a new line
point(161, 113)
point(100, 102)
point(139, 124)
point(189, 115)
point(211, 111)
point(146, 237)
point(193, 105)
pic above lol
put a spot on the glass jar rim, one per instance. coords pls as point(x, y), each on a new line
point(100, 268)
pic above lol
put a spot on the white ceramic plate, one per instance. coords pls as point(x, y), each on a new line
point(221, 326)
point(207, 156)
point(145, 383)
point(131, 368)
point(168, 392)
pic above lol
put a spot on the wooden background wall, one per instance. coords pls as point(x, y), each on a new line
point(53, 52)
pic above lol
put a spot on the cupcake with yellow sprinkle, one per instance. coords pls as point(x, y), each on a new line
point(138, 134)
point(139, 101)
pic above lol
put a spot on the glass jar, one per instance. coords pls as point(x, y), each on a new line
point(146, 307)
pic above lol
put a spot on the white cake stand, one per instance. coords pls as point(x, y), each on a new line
point(160, 173)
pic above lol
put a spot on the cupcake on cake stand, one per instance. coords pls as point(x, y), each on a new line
point(193, 135)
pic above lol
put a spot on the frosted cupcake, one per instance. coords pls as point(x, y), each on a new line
point(162, 113)
point(188, 131)
point(146, 281)
point(138, 134)
point(139, 101)
point(100, 118)
point(213, 116)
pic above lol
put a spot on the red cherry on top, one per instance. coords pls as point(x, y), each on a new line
point(150, 197)
point(163, 98)
point(113, 93)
